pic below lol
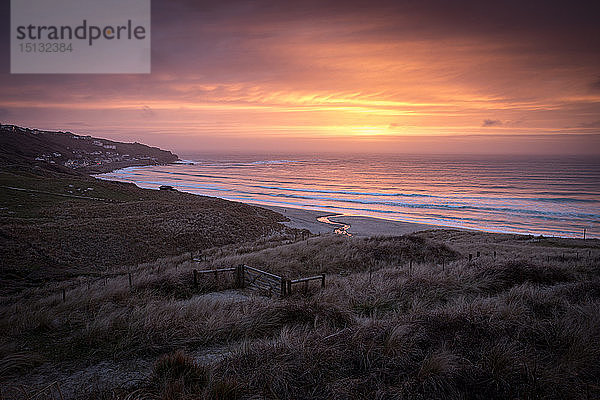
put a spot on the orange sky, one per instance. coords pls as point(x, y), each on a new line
point(397, 76)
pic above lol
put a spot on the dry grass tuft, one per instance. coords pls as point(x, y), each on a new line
point(177, 376)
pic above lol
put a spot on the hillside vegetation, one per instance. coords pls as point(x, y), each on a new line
point(68, 153)
point(54, 225)
point(524, 323)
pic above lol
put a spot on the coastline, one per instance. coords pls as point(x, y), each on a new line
point(108, 168)
point(301, 218)
point(359, 226)
point(312, 220)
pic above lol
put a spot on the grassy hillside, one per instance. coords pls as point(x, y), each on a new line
point(66, 152)
point(54, 225)
point(57, 222)
point(523, 324)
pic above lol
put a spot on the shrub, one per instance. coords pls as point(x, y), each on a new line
point(178, 376)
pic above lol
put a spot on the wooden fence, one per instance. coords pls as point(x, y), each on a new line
point(291, 282)
point(256, 279)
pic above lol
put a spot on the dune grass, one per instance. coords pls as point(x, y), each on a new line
point(518, 326)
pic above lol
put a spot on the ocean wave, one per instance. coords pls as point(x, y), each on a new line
point(459, 204)
point(491, 225)
point(344, 192)
point(523, 198)
point(464, 207)
point(185, 162)
point(418, 195)
point(237, 164)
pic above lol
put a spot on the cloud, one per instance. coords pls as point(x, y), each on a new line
point(77, 124)
point(147, 112)
point(491, 122)
point(301, 68)
point(595, 85)
point(4, 113)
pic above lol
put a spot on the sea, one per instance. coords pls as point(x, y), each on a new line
point(542, 195)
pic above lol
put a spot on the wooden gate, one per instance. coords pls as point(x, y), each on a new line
point(263, 281)
point(256, 279)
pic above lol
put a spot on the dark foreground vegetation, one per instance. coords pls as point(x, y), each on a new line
point(54, 226)
point(97, 299)
point(524, 324)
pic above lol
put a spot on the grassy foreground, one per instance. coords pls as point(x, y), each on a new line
point(524, 324)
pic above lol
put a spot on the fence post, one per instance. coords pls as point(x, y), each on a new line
point(470, 256)
point(64, 295)
point(239, 276)
point(289, 286)
point(195, 272)
point(59, 391)
point(130, 282)
point(283, 287)
point(322, 280)
point(478, 254)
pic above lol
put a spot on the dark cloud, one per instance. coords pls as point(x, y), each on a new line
point(555, 23)
point(217, 37)
point(147, 112)
point(4, 37)
point(595, 85)
point(491, 122)
point(77, 124)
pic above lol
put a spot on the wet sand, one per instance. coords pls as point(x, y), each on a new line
point(367, 226)
point(358, 226)
point(303, 219)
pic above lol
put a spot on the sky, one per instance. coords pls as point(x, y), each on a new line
point(375, 76)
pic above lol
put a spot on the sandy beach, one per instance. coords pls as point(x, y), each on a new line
point(358, 225)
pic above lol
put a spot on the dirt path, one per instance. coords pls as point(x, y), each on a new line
point(76, 381)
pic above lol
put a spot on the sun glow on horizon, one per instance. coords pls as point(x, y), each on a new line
point(358, 74)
